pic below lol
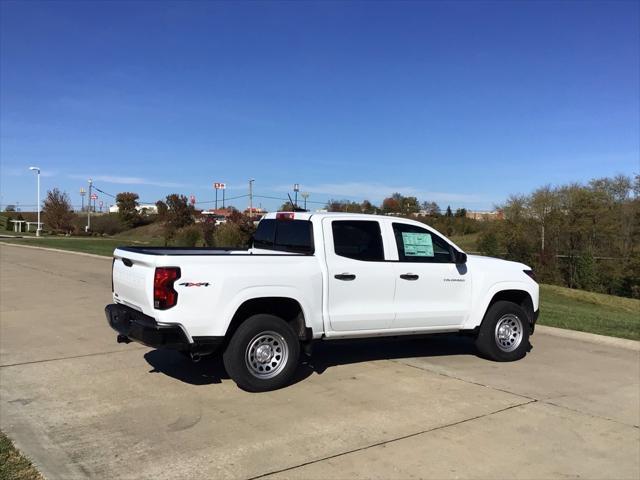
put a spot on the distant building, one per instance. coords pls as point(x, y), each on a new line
point(257, 212)
point(145, 209)
point(485, 215)
point(217, 215)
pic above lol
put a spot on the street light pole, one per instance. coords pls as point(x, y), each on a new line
point(37, 170)
point(296, 189)
point(251, 198)
point(88, 227)
point(305, 195)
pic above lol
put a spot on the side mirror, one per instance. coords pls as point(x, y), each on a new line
point(461, 257)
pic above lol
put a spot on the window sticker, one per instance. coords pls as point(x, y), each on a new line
point(417, 244)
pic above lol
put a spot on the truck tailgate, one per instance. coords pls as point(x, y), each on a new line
point(133, 280)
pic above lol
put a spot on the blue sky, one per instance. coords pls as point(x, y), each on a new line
point(462, 103)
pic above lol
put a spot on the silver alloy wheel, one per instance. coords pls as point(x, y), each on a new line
point(509, 332)
point(266, 355)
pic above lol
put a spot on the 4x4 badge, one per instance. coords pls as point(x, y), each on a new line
point(194, 284)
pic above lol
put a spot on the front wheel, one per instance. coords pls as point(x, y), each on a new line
point(504, 333)
point(262, 354)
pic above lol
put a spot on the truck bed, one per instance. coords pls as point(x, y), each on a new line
point(185, 250)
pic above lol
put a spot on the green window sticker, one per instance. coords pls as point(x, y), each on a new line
point(417, 244)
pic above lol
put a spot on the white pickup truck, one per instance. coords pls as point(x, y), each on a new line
point(318, 276)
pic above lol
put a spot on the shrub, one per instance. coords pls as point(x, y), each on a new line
point(188, 236)
point(228, 235)
point(108, 224)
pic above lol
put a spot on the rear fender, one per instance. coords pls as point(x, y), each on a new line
point(261, 292)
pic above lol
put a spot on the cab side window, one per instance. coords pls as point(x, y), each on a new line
point(358, 239)
point(417, 244)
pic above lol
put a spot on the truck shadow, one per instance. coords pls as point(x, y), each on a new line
point(210, 370)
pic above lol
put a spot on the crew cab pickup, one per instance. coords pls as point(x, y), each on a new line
point(318, 276)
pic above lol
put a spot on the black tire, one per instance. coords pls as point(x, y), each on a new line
point(273, 359)
point(504, 347)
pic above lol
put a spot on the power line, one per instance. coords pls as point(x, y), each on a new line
point(226, 199)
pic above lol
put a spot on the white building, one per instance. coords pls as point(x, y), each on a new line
point(145, 209)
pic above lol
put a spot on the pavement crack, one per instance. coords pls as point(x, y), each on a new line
point(464, 380)
point(70, 357)
point(592, 415)
point(540, 400)
point(392, 440)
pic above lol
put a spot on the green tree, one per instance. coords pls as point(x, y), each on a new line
point(127, 211)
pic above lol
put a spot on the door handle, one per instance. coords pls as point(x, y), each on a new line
point(409, 276)
point(345, 276)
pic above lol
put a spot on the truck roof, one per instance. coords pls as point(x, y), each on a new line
point(308, 215)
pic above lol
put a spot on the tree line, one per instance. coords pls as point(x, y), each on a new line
point(583, 236)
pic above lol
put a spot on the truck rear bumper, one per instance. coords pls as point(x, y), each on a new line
point(135, 326)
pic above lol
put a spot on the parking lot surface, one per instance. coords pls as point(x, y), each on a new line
point(80, 405)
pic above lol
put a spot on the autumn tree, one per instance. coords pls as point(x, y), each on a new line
point(179, 214)
point(162, 210)
point(56, 212)
point(391, 205)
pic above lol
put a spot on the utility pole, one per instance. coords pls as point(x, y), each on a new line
point(88, 227)
point(83, 192)
point(251, 197)
point(305, 195)
point(296, 189)
point(37, 170)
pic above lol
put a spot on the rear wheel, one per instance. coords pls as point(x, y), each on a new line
point(262, 354)
point(504, 333)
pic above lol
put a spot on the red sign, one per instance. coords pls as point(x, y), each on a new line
point(219, 186)
point(94, 196)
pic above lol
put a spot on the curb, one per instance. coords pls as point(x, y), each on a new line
point(92, 255)
point(590, 337)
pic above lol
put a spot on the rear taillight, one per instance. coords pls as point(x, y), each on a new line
point(531, 274)
point(164, 296)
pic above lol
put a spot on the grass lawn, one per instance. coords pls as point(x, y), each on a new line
point(589, 312)
point(13, 465)
point(96, 245)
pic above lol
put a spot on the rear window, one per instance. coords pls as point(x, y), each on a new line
point(285, 235)
point(359, 240)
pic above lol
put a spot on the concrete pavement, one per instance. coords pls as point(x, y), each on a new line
point(80, 405)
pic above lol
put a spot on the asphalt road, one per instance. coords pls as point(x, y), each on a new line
point(81, 405)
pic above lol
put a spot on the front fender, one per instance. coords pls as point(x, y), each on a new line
point(480, 306)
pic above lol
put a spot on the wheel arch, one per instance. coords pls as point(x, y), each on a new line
point(507, 291)
point(287, 308)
